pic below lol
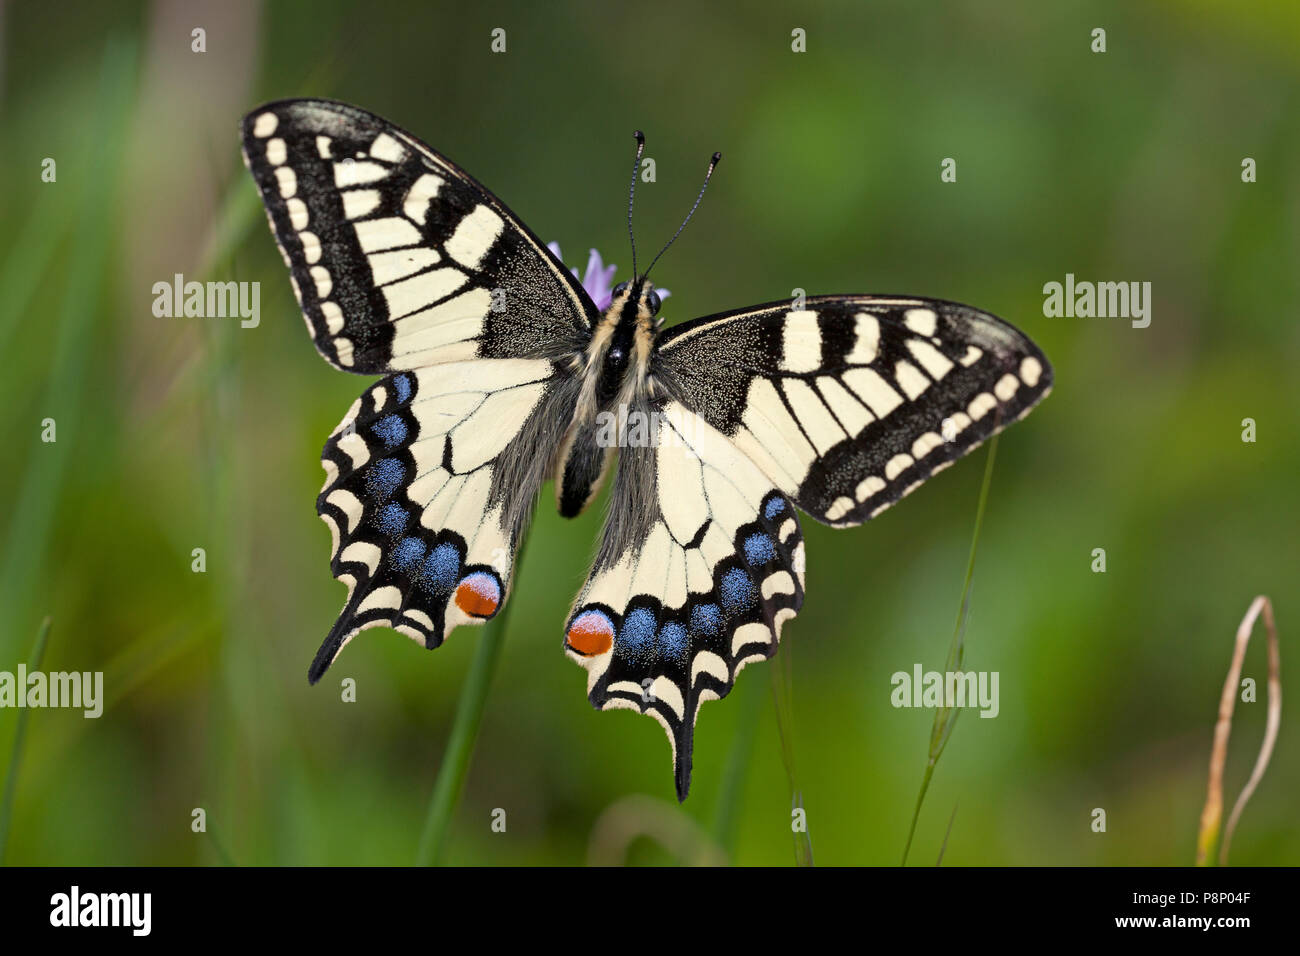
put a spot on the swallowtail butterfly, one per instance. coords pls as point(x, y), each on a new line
point(500, 371)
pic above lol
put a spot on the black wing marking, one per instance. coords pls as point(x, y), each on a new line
point(399, 258)
point(700, 566)
point(851, 402)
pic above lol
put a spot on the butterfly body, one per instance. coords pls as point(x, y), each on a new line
point(615, 372)
point(500, 372)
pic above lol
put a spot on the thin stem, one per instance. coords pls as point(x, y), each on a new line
point(945, 718)
point(916, 811)
point(947, 833)
point(464, 733)
point(783, 694)
point(1212, 814)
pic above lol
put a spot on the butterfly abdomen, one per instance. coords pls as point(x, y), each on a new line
point(582, 469)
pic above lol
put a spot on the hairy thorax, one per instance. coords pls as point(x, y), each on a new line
point(615, 371)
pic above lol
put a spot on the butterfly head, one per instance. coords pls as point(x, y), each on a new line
point(637, 296)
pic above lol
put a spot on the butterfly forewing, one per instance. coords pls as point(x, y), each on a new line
point(850, 402)
point(398, 258)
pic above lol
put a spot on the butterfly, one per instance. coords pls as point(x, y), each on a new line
point(501, 372)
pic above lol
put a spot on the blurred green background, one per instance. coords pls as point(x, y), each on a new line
point(175, 434)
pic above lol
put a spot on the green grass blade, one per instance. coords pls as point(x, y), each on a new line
point(783, 695)
point(20, 734)
point(943, 847)
point(450, 782)
point(945, 718)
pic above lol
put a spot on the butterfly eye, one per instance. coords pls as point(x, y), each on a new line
point(652, 301)
point(620, 288)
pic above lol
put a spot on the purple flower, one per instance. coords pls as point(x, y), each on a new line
point(598, 280)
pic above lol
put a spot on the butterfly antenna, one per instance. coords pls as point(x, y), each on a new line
point(713, 164)
point(631, 193)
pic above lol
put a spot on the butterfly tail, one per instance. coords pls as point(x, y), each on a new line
point(339, 635)
point(344, 629)
point(683, 755)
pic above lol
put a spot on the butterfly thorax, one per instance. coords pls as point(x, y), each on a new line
point(615, 372)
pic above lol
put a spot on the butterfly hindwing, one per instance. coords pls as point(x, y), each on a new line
point(850, 402)
point(700, 566)
point(430, 482)
point(399, 258)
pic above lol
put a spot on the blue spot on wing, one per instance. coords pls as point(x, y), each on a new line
point(393, 519)
point(672, 640)
point(442, 567)
point(638, 631)
point(383, 477)
point(402, 385)
point(706, 619)
point(774, 508)
point(391, 429)
point(759, 549)
point(737, 590)
point(407, 552)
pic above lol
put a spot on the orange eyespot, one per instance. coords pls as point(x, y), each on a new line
point(591, 633)
point(478, 594)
